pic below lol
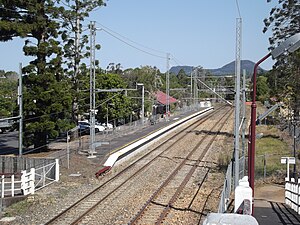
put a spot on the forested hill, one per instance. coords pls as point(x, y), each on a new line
point(224, 70)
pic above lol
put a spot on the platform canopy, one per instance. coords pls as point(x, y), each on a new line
point(161, 98)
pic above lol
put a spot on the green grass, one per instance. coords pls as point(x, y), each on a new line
point(273, 148)
point(270, 145)
point(18, 208)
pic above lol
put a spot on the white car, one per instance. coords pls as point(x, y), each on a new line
point(99, 128)
point(108, 126)
point(85, 126)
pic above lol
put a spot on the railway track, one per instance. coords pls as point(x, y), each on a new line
point(82, 210)
point(155, 210)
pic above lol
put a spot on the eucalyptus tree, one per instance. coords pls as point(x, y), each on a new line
point(115, 104)
point(284, 21)
point(72, 14)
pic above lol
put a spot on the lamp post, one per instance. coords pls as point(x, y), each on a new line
point(289, 45)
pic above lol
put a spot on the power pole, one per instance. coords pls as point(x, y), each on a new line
point(244, 122)
point(196, 87)
point(237, 100)
point(92, 88)
point(192, 85)
point(20, 99)
point(168, 88)
point(143, 105)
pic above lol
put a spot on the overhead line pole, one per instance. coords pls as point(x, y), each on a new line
point(92, 88)
point(237, 101)
point(168, 88)
point(20, 99)
point(192, 86)
point(243, 122)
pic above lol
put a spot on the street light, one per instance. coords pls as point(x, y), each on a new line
point(289, 45)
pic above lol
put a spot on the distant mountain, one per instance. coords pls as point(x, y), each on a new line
point(224, 70)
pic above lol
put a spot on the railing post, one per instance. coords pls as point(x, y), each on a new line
point(298, 197)
point(2, 186)
point(286, 191)
point(57, 170)
point(44, 175)
point(31, 180)
point(13, 185)
point(293, 194)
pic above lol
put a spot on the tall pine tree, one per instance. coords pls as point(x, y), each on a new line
point(46, 91)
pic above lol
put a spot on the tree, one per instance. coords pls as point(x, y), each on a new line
point(46, 92)
point(8, 93)
point(262, 88)
point(182, 78)
point(120, 105)
point(73, 16)
point(285, 21)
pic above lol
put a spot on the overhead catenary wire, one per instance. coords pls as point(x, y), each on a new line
point(238, 8)
point(173, 58)
point(152, 49)
point(127, 43)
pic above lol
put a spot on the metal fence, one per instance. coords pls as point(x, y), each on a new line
point(265, 165)
point(25, 175)
point(226, 192)
point(269, 164)
point(292, 128)
point(12, 164)
point(81, 144)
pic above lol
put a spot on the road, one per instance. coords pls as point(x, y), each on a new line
point(9, 143)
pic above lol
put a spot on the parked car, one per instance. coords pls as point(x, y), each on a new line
point(84, 127)
point(99, 127)
point(108, 125)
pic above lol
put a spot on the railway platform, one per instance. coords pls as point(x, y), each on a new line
point(118, 142)
point(269, 206)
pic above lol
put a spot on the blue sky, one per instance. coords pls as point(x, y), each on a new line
point(194, 32)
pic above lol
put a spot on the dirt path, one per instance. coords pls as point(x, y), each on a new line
point(269, 192)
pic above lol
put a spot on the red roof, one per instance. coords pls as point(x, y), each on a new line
point(161, 97)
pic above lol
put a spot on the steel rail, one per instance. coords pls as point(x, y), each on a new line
point(171, 176)
point(76, 221)
point(189, 175)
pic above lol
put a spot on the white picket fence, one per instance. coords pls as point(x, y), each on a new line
point(28, 181)
point(292, 194)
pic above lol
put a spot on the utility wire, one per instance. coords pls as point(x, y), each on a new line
point(173, 58)
point(155, 50)
point(139, 49)
point(122, 37)
point(238, 8)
